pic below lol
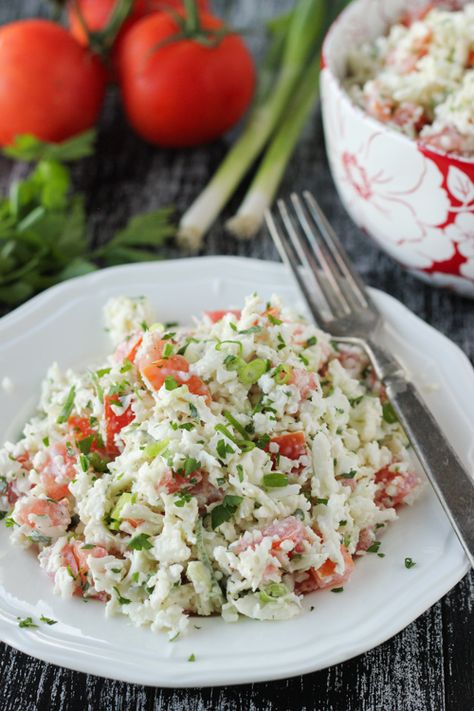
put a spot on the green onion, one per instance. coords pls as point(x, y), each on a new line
point(67, 407)
point(232, 362)
point(337, 590)
point(282, 374)
point(409, 563)
point(251, 372)
point(236, 343)
point(275, 480)
point(192, 658)
point(272, 592)
point(167, 350)
point(235, 424)
point(48, 620)
point(26, 622)
point(311, 341)
point(155, 449)
point(304, 29)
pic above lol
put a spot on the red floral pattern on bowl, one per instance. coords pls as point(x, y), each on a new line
point(416, 202)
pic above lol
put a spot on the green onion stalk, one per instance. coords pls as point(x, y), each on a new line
point(306, 25)
point(248, 220)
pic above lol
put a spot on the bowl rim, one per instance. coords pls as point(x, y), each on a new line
point(378, 125)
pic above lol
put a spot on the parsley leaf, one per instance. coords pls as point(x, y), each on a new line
point(223, 512)
point(140, 542)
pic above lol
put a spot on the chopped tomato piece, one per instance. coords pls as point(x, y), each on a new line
point(41, 514)
point(325, 577)
point(289, 529)
point(216, 316)
point(197, 484)
point(115, 423)
point(58, 469)
point(74, 556)
point(82, 429)
point(305, 381)
point(157, 370)
point(394, 487)
point(291, 445)
point(128, 348)
point(196, 386)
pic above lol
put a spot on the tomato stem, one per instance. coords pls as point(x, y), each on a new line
point(192, 23)
point(101, 42)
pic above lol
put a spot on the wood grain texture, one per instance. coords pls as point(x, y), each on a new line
point(428, 666)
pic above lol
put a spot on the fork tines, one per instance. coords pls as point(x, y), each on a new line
point(305, 238)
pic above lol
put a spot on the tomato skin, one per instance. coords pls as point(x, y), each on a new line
point(115, 424)
point(183, 93)
point(217, 316)
point(50, 86)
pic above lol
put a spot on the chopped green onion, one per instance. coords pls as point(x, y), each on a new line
point(67, 407)
point(374, 548)
point(251, 372)
point(409, 563)
point(322, 501)
point(170, 383)
point(192, 658)
point(167, 350)
point(273, 320)
point(154, 449)
point(240, 472)
point(48, 620)
point(235, 343)
point(337, 590)
point(121, 600)
point(235, 424)
point(275, 480)
point(282, 374)
point(311, 342)
point(233, 362)
point(304, 29)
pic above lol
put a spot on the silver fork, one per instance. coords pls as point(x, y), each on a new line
point(341, 305)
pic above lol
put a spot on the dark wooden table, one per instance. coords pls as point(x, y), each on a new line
point(428, 666)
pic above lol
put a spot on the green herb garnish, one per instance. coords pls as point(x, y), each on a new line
point(67, 407)
point(275, 480)
point(409, 563)
point(223, 512)
point(140, 543)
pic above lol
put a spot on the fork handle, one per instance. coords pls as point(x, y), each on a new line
point(450, 480)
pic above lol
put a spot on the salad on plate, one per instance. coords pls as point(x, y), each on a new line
point(229, 467)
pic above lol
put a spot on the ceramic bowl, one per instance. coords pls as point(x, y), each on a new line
point(415, 201)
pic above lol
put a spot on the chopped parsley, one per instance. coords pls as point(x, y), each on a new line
point(182, 498)
point(348, 475)
point(127, 365)
point(223, 512)
point(389, 414)
point(374, 548)
point(274, 321)
point(223, 449)
point(26, 622)
point(121, 600)
point(192, 658)
point(46, 441)
point(311, 341)
point(140, 542)
point(321, 501)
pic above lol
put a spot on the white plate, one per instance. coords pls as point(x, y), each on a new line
point(65, 324)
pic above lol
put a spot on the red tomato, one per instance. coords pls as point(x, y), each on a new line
point(183, 93)
point(74, 556)
point(325, 577)
point(115, 423)
point(128, 348)
point(82, 429)
point(292, 445)
point(50, 86)
point(217, 316)
point(58, 469)
point(394, 487)
point(176, 367)
point(97, 13)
